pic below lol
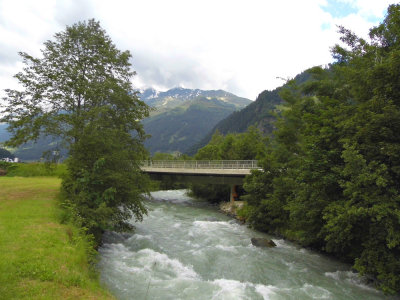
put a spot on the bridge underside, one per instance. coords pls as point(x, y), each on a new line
point(198, 178)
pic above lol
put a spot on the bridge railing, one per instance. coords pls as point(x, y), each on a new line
point(202, 164)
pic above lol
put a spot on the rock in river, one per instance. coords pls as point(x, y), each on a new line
point(261, 242)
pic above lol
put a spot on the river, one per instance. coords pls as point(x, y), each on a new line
point(186, 249)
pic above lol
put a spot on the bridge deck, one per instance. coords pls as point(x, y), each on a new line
point(201, 167)
point(203, 171)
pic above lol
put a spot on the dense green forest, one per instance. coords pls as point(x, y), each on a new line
point(331, 177)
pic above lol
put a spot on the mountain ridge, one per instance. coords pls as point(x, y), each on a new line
point(177, 96)
point(181, 117)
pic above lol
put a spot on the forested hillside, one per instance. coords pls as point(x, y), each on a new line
point(180, 128)
point(260, 113)
point(33, 151)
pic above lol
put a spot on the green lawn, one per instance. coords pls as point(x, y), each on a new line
point(39, 257)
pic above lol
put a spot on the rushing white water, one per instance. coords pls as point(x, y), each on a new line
point(185, 249)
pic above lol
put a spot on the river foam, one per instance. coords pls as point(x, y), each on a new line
point(162, 264)
point(352, 278)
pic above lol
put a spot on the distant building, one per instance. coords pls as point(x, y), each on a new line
point(10, 160)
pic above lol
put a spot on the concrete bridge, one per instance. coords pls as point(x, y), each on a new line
point(231, 172)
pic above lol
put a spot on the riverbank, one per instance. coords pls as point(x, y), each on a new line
point(231, 209)
point(39, 257)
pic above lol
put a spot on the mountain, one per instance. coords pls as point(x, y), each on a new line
point(4, 134)
point(177, 96)
point(260, 113)
point(183, 126)
point(31, 151)
point(182, 117)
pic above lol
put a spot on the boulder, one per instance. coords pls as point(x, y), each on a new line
point(261, 242)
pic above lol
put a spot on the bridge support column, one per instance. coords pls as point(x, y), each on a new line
point(233, 193)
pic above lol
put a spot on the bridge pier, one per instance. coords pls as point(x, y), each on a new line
point(233, 193)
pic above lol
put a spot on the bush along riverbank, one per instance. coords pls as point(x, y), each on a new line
point(39, 257)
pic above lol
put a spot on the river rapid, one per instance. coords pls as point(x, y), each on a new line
point(186, 249)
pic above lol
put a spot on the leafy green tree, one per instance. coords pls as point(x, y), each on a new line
point(80, 90)
point(243, 146)
point(212, 150)
point(270, 191)
point(163, 156)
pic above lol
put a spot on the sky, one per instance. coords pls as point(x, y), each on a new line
point(241, 46)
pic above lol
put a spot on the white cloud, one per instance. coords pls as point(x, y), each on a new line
point(240, 46)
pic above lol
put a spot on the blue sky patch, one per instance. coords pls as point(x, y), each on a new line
point(374, 19)
point(339, 9)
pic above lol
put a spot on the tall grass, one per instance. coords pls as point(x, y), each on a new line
point(36, 169)
point(39, 257)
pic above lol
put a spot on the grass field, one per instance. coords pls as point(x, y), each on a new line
point(39, 257)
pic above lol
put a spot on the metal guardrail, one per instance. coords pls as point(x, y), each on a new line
point(202, 164)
